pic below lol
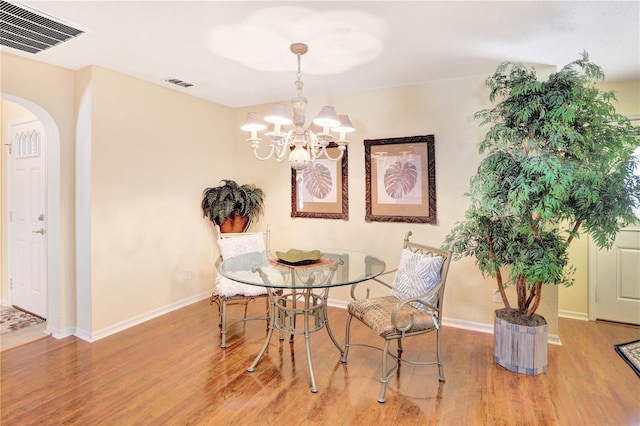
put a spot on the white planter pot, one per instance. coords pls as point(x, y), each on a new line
point(520, 348)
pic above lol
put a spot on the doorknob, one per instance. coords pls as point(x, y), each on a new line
point(41, 217)
point(39, 231)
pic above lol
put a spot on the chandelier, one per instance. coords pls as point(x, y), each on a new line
point(303, 146)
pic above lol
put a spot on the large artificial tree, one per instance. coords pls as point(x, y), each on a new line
point(559, 161)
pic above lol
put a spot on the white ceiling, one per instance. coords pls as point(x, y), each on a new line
point(236, 53)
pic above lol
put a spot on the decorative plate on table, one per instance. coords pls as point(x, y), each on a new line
point(298, 257)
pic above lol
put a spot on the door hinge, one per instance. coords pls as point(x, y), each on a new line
point(9, 145)
point(11, 283)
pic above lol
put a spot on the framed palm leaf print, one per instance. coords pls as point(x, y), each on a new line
point(400, 179)
point(322, 192)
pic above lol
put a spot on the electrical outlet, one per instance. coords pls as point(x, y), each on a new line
point(496, 296)
point(187, 274)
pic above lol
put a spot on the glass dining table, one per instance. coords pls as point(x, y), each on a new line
point(299, 291)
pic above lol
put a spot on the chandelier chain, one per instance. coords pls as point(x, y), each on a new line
point(299, 83)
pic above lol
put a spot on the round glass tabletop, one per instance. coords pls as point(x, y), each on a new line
point(332, 268)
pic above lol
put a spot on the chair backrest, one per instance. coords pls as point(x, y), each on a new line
point(421, 269)
point(243, 250)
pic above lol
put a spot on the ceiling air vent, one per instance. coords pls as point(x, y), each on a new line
point(31, 31)
point(178, 82)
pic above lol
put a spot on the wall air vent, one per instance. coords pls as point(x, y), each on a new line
point(178, 82)
point(31, 31)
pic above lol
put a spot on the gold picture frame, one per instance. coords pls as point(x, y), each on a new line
point(323, 190)
point(400, 175)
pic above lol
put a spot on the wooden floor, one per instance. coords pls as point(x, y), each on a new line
point(24, 335)
point(171, 371)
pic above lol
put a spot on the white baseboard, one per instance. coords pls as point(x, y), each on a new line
point(468, 325)
point(83, 334)
point(108, 331)
point(573, 315)
point(61, 333)
point(337, 304)
point(552, 339)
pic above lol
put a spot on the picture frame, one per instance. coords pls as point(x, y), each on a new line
point(400, 179)
point(323, 190)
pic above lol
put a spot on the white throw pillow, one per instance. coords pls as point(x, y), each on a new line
point(243, 252)
point(417, 274)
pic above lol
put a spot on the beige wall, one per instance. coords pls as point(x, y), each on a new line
point(153, 151)
point(574, 301)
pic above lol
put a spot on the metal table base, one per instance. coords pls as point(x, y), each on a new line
point(288, 306)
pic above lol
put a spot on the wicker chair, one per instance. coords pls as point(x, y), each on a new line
point(243, 251)
point(414, 306)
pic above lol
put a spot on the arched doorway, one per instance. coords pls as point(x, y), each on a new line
point(54, 283)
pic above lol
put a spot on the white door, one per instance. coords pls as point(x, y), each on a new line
point(27, 218)
point(617, 277)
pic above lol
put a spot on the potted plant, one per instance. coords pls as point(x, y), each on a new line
point(559, 160)
point(231, 206)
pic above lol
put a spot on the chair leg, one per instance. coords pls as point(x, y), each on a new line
point(223, 324)
point(439, 355)
point(384, 379)
point(216, 299)
point(400, 350)
point(346, 340)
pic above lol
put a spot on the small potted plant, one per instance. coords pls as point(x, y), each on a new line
point(558, 160)
point(231, 206)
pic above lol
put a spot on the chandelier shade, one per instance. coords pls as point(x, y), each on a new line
point(327, 118)
point(253, 122)
point(300, 145)
point(344, 128)
point(278, 114)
